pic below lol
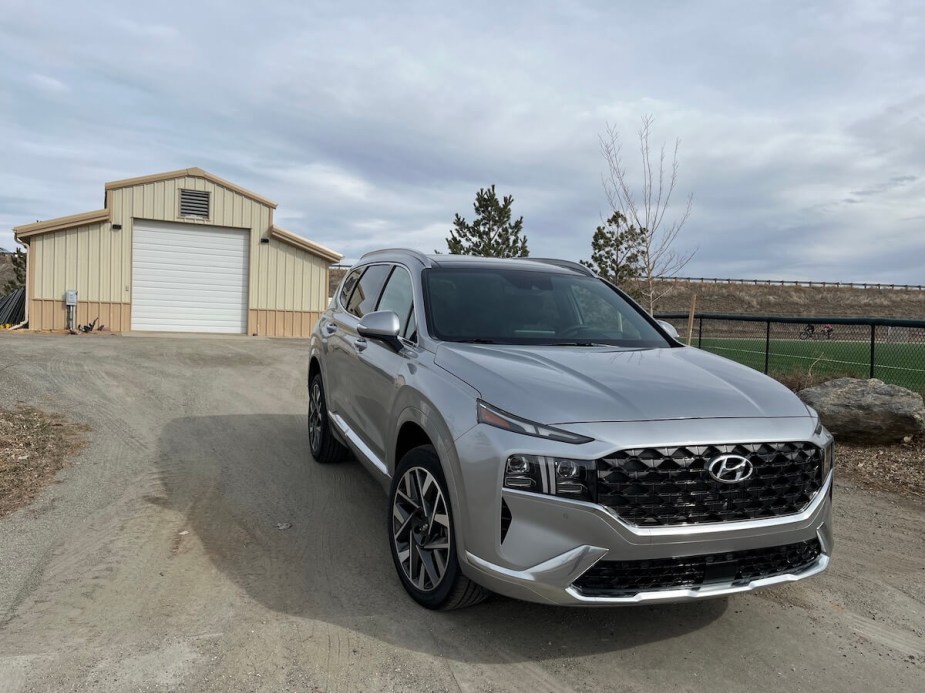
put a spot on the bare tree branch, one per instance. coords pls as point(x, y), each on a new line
point(647, 208)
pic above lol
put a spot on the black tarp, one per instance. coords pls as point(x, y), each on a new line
point(13, 308)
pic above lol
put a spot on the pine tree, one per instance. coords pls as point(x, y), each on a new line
point(617, 253)
point(491, 233)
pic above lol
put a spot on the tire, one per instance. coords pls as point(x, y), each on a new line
point(421, 535)
point(804, 335)
point(325, 448)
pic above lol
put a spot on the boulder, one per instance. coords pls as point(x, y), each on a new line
point(867, 411)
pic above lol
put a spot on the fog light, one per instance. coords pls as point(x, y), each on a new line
point(524, 483)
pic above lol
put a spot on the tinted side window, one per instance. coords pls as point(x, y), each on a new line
point(350, 282)
point(366, 294)
point(398, 297)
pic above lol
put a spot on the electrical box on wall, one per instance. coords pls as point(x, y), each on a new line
point(70, 297)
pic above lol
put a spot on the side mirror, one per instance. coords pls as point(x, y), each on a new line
point(669, 328)
point(382, 325)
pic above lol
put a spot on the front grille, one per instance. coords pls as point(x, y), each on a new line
point(671, 486)
point(738, 568)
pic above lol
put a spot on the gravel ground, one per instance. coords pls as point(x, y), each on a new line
point(156, 563)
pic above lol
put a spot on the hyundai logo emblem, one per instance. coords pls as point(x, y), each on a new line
point(730, 469)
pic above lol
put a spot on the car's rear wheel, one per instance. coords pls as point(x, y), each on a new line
point(421, 535)
point(324, 446)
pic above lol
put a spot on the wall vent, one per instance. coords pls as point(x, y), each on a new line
point(194, 203)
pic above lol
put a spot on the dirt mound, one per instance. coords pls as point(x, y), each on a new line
point(793, 300)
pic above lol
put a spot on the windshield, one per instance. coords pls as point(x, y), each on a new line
point(513, 306)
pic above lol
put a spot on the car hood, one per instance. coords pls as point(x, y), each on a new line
point(587, 384)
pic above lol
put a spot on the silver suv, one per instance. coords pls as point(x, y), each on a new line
point(542, 437)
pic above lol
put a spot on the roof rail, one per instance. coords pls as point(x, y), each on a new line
point(416, 254)
point(567, 264)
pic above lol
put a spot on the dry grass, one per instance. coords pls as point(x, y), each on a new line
point(892, 468)
point(798, 380)
point(792, 300)
point(34, 446)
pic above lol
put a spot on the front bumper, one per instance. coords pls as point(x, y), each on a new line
point(551, 542)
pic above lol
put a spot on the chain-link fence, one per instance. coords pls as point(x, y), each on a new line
point(892, 350)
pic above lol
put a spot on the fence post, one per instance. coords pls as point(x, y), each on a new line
point(700, 333)
point(767, 345)
point(873, 332)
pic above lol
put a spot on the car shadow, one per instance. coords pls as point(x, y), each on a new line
point(309, 540)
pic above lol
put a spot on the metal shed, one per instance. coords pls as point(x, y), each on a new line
point(182, 251)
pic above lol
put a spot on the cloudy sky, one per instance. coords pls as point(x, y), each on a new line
point(802, 125)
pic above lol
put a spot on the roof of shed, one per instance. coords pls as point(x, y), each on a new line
point(103, 215)
point(305, 244)
point(59, 223)
point(193, 173)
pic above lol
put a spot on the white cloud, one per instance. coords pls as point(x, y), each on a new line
point(48, 84)
point(145, 30)
point(373, 124)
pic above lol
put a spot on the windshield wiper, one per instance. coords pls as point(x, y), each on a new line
point(579, 344)
point(473, 341)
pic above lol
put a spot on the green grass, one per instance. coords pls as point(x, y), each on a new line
point(901, 364)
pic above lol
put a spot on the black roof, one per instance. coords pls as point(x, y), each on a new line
point(439, 260)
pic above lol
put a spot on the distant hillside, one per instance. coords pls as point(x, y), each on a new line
point(6, 270)
point(794, 300)
point(778, 300)
point(334, 277)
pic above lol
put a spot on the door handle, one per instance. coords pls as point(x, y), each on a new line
point(330, 328)
point(360, 343)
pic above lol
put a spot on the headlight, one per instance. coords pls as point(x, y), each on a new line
point(488, 414)
point(555, 476)
point(828, 459)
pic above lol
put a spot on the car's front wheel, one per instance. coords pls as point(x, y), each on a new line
point(421, 535)
point(324, 446)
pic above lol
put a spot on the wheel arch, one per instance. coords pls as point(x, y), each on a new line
point(414, 428)
point(410, 435)
point(314, 367)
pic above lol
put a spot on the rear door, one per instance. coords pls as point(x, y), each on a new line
point(342, 359)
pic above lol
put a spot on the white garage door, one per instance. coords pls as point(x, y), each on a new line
point(189, 278)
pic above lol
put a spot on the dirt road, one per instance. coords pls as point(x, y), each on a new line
point(156, 563)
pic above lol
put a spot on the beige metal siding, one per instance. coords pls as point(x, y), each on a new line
point(289, 279)
point(159, 201)
point(75, 259)
point(287, 286)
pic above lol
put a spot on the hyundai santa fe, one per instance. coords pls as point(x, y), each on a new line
point(541, 436)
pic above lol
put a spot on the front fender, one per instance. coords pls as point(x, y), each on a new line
point(445, 416)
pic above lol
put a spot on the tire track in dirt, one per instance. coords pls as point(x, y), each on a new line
point(161, 551)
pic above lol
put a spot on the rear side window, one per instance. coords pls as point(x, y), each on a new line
point(398, 297)
point(364, 296)
point(349, 283)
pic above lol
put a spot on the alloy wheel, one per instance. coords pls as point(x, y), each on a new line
point(315, 412)
point(421, 529)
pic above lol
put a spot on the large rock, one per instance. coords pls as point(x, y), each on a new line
point(867, 411)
